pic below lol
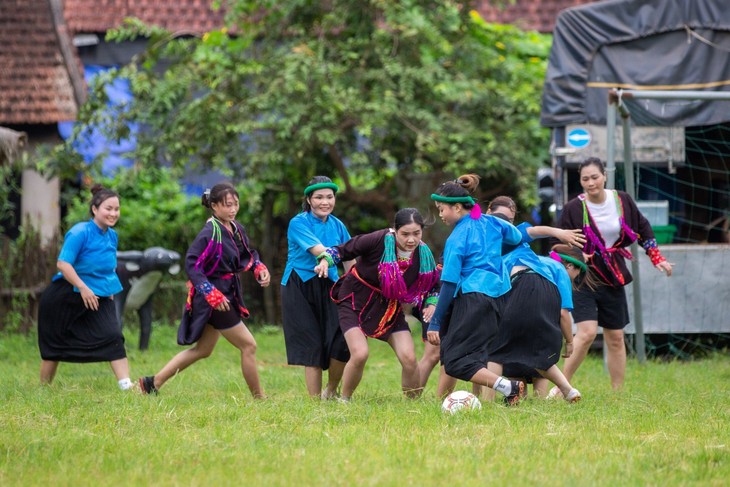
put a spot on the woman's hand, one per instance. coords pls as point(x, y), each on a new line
point(224, 306)
point(568, 349)
point(322, 269)
point(573, 237)
point(91, 301)
point(433, 337)
point(665, 266)
point(264, 278)
point(427, 312)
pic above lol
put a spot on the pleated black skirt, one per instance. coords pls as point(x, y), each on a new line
point(529, 331)
point(312, 331)
point(69, 332)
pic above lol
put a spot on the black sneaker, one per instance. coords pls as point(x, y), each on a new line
point(516, 394)
point(147, 385)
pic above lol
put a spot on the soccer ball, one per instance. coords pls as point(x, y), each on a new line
point(460, 401)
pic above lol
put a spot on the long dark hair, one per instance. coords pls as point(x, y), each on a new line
point(217, 194)
point(592, 161)
point(100, 194)
point(306, 207)
point(464, 185)
point(502, 202)
point(406, 216)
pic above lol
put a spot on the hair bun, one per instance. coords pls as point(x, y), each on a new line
point(96, 188)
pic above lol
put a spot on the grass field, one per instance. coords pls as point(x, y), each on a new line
point(670, 426)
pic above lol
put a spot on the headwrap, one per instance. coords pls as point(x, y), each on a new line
point(314, 187)
point(474, 214)
point(562, 257)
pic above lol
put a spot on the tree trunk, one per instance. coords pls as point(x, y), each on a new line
point(266, 249)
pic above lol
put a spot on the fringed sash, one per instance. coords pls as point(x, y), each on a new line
point(390, 274)
point(595, 243)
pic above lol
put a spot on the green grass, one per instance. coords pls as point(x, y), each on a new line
point(670, 426)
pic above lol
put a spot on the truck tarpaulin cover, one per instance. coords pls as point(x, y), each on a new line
point(638, 45)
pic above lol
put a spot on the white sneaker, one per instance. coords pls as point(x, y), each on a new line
point(554, 393)
point(573, 396)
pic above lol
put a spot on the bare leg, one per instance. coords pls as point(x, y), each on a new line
point(202, 349)
point(540, 387)
point(581, 343)
point(313, 379)
point(429, 360)
point(334, 376)
point(241, 338)
point(120, 368)
point(616, 356)
point(484, 377)
point(447, 384)
point(402, 345)
point(556, 377)
point(487, 392)
point(352, 375)
point(48, 371)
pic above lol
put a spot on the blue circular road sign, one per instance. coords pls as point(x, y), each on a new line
point(578, 138)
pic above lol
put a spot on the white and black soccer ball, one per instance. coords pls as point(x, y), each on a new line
point(460, 401)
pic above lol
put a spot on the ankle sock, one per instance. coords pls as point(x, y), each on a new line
point(503, 385)
point(125, 384)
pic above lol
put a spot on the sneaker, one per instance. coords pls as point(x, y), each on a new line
point(147, 385)
point(573, 396)
point(516, 394)
point(555, 393)
point(344, 400)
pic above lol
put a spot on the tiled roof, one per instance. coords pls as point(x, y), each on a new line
point(536, 15)
point(35, 86)
point(176, 15)
point(196, 16)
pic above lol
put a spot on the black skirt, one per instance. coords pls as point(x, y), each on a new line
point(69, 332)
point(471, 329)
point(529, 332)
point(311, 328)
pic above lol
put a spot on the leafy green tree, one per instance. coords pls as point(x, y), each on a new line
point(388, 97)
point(154, 210)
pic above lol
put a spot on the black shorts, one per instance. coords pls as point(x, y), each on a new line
point(606, 304)
point(223, 320)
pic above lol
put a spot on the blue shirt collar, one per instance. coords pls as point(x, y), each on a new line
point(314, 219)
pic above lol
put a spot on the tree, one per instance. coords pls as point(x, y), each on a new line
point(378, 94)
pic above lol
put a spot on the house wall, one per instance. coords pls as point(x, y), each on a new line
point(40, 198)
point(695, 299)
point(40, 203)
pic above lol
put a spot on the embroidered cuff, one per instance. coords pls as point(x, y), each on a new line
point(258, 269)
point(655, 256)
point(244, 312)
point(215, 298)
point(331, 255)
point(431, 300)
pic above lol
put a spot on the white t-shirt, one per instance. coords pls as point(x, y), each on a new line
point(606, 217)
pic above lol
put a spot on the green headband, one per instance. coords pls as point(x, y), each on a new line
point(453, 199)
point(314, 187)
point(574, 261)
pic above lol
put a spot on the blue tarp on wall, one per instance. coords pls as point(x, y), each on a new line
point(95, 143)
